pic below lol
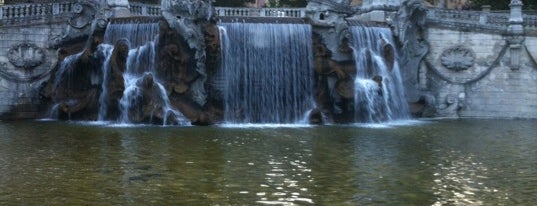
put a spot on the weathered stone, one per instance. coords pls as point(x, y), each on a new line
point(187, 18)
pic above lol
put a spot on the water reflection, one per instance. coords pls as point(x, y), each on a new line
point(471, 162)
point(461, 180)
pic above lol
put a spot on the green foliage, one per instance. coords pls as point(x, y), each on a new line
point(501, 4)
point(232, 3)
point(146, 1)
point(293, 3)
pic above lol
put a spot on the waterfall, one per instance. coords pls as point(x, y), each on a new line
point(106, 49)
point(268, 72)
point(379, 94)
point(140, 69)
point(137, 33)
point(66, 64)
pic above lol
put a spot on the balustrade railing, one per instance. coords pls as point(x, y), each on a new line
point(34, 11)
point(261, 12)
point(139, 9)
point(470, 20)
point(530, 22)
point(462, 19)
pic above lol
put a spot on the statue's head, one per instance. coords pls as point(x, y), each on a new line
point(122, 47)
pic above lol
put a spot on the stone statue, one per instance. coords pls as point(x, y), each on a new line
point(409, 28)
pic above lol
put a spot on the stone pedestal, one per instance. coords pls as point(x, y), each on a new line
point(378, 10)
point(380, 3)
point(119, 8)
point(516, 32)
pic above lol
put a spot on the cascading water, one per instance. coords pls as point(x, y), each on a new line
point(138, 34)
point(268, 72)
point(106, 50)
point(140, 70)
point(379, 94)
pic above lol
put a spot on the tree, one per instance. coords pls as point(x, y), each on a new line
point(501, 4)
point(232, 3)
point(293, 3)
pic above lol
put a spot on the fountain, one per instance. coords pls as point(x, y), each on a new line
point(130, 90)
point(261, 70)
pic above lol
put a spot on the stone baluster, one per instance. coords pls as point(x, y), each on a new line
point(1, 12)
point(144, 10)
point(485, 11)
point(32, 10)
point(516, 32)
point(55, 9)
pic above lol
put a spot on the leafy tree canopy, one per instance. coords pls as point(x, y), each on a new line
point(232, 3)
point(293, 3)
point(502, 4)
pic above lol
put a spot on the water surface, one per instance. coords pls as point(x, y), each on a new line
point(448, 162)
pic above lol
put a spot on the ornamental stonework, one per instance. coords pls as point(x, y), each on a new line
point(26, 56)
point(458, 58)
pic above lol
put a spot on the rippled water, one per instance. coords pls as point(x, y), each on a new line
point(449, 162)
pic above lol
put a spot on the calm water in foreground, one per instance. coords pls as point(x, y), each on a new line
point(448, 162)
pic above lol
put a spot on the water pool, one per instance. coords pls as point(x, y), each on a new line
point(434, 162)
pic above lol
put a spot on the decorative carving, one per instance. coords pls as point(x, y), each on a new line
point(26, 55)
point(84, 13)
point(458, 58)
point(188, 18)
point(409, 28)
point(451, 105)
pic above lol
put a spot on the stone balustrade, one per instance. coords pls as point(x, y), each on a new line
point(530, 22)
point(477, 20)
point(468, 20)
point(457, 19)
point(139, 9)
point(261, 12)
point(31, 11)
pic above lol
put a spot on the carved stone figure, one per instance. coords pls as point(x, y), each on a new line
point(334, 91)
point(179, 70)
point(74, 86)
point(409, 26)
point(451, 106)
point(187, 18)
point(116, 83)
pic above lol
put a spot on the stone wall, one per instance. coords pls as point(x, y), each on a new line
point(19, 83)
point(470, 75)
point(29, 44)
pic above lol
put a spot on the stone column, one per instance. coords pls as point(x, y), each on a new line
point(516, 32)
point(119, 8)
